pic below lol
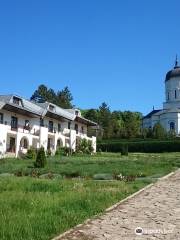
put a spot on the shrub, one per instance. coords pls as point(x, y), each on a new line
point(19, 173)
point(64, 151)
point(159, 132)
point(58, 151)
point(49, 152)
point(129, 178)
point(73, 174)
point(84, 146)
point(142, 146)
point(124, 150)
point(31, 153)
point(40, 158)
point(35, 173)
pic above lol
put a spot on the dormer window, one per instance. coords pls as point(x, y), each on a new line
point(77, 113)
point(51, 108)
point(16, 100)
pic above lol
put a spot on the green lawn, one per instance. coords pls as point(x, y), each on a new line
point(33, 208)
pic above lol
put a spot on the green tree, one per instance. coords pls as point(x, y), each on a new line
point(132, 124)
point(40, 158)
point(40, 94)
point(105, 119)
point(64, 98)
point(159, 132)
point(91, 114)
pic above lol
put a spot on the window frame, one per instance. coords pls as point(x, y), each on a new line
point(51, 126)
point(1, 118)
point(59, 127)
point(172, 124)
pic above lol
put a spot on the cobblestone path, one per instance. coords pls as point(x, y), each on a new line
point(154, 213)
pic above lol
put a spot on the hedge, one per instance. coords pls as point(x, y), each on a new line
point(146, 146)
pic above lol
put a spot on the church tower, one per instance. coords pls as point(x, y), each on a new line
point(169, 116)
point(172, 88)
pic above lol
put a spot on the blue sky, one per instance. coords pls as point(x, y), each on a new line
point(115, 51)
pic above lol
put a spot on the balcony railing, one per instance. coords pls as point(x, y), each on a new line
point(36, 131)
point(22, 128)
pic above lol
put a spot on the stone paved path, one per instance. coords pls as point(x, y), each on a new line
point(156, 210)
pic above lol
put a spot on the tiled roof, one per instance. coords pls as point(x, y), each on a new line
point(57, 110)
point(42, 109)
point(26, 104)
point(151, 113)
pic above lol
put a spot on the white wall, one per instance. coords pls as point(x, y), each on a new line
point(34, 122)
point(165, 119)
point(42, 138)
point(3, 137)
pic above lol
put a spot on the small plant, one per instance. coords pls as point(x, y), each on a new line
point(124, 150)
point(19, 173)
point(119, 177)
point(66, 151)
point(49, 152)
point(129, 178)
point(40, 158)
point(58, 151)
point(31, 153)
point(35, 173)
point(74, 174)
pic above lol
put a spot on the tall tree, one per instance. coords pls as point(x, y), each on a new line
point(40, 94)
point(132, 123)
point(105, 119)
point(64, 98)
point(91, 114)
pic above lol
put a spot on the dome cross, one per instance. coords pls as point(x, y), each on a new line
point(176, 62)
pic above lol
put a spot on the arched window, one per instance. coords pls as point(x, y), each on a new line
point(59, 143)
point(172, 125)
point(175, 94)
point(25, 143)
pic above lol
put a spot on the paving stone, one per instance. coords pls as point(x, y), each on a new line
point(156, 210)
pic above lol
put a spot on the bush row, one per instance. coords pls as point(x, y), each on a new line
point(146, 146)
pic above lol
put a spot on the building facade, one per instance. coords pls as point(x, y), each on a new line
point(169, 116)
point(24, 123)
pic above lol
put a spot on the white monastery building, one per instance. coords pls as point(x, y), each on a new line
point(24, 123)
point(169, 116)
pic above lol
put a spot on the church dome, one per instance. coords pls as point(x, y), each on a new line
point(174, 72)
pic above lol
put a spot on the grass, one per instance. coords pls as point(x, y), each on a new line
point(87, 166)
point(40, 209)
point(33, 208)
